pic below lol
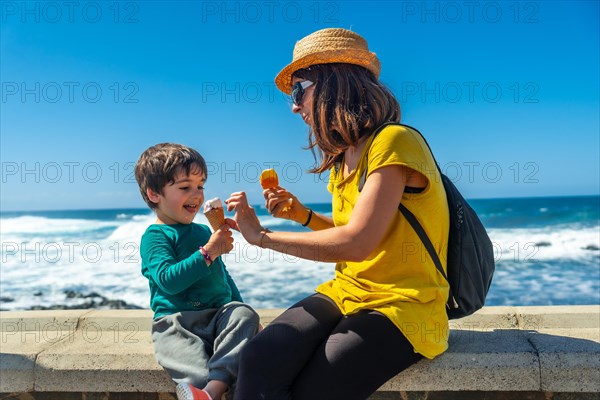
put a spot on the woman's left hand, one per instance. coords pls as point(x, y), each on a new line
point(245, 217)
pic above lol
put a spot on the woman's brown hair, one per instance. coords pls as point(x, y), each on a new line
point(349, 103)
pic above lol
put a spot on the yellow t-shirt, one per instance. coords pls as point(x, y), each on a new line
point(399, 278)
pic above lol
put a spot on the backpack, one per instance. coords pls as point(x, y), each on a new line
point(470, 261)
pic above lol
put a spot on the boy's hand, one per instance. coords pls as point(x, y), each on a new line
point(220, 242)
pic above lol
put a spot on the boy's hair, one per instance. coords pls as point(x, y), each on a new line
point(159, 164)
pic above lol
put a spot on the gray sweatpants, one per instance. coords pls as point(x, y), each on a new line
point(199, 346)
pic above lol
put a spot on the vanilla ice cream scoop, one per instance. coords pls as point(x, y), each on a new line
point(212, 203)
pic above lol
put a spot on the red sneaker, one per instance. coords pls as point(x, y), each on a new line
point(185, 391)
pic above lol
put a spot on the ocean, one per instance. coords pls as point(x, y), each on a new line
point(547, 253)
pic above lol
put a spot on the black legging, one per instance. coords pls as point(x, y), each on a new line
point(312, 351)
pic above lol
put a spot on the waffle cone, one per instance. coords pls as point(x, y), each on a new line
point(216, 217)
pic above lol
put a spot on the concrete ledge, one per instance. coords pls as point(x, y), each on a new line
point(528, 350)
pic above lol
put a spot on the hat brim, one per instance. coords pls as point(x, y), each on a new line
point(366, 59)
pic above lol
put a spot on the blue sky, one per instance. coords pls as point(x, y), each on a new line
point(507, 93)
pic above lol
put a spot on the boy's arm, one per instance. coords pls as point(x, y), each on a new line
point(160, 264)
point(235, 293)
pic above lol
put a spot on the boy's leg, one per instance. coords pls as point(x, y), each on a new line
point(364, 351)
point(271, 361)
point(212, 340)
point(180, 347)
point(234, 325)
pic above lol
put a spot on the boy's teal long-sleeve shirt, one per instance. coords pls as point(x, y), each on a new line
point(178, 276)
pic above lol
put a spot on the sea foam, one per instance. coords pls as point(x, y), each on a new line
point(44, 256)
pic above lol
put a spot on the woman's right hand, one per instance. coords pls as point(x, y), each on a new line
point(282, 204)
point(245, 218)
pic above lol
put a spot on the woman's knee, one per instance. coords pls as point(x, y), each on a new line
point(252, 353)
point(271, 344)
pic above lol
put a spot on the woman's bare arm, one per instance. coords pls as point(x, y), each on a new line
point(374, 210)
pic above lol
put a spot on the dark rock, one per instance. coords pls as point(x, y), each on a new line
point(71, 294)
point(95, 301)
point(592, 247)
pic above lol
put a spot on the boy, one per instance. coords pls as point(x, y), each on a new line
point(200, 323)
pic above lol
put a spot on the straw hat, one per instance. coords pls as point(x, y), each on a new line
point(331, 45)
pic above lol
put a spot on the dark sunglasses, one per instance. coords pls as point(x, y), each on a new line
point(298, 91)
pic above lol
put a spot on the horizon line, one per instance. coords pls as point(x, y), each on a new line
point(307, 203)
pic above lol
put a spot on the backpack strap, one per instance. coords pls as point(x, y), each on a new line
point(412, 220)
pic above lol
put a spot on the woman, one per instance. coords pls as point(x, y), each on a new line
point(385, 309)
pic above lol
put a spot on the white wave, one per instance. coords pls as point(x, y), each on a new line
point(528, 283)
point(111, 266)
point(42, 225)
point(545, 244)
point(108, 267)
point(133, 230)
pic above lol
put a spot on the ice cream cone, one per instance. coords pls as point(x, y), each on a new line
point(214, 213)
point(268, 180)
